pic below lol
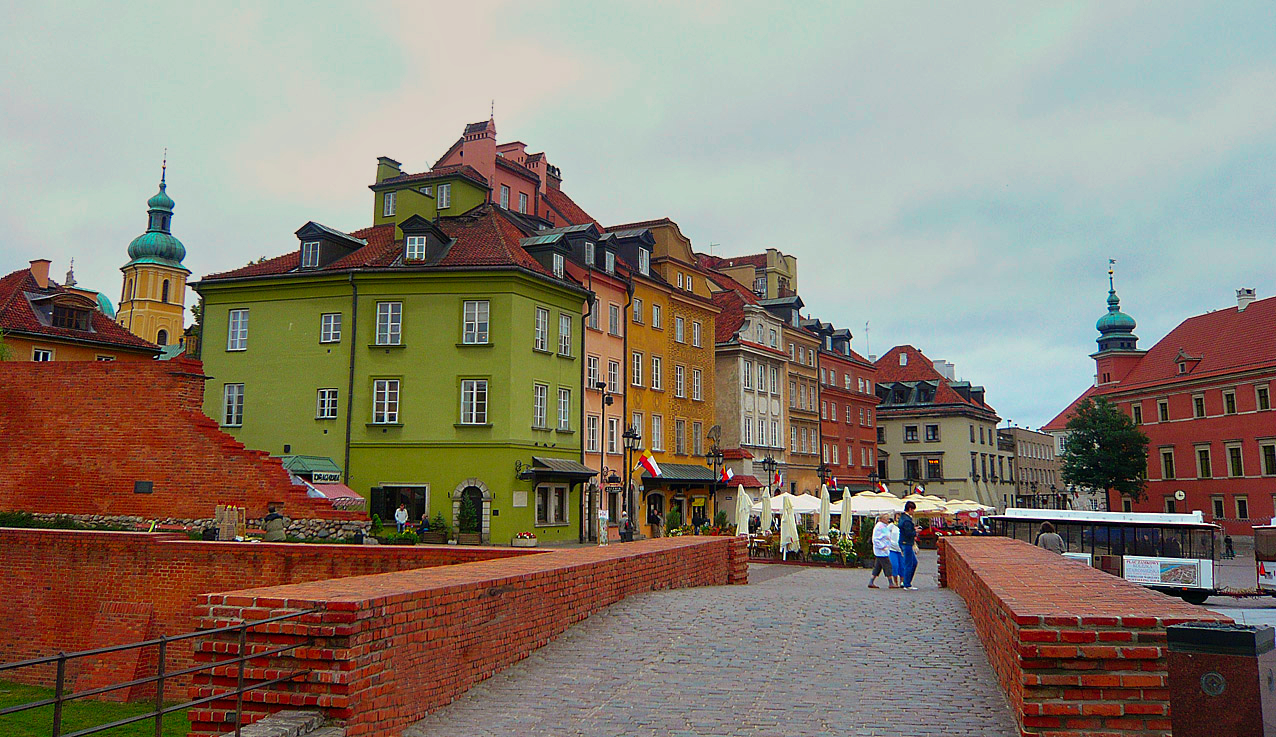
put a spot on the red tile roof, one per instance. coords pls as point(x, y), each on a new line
point(439, 172)
point(728, 321)
point(518, 169)
point(17, 315)
point(757, 260)
point(748, 482)
point(566, 208)
point(639, 224)
point(736, 454)
point(1061, 420)
point(920, 368)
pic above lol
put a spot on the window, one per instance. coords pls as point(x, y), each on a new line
point(522, 202)
point(1217, 504)
point(680, 280)
point(326, 407)
point(774, 339)
point(981, 434)
point(748, 374)
point(473, 401)
point(387, 204)
point(389, 322)
point(1269, 459)
point(613, 319)
point(564, 409)
point(309, 256)
point(747, 428)
point(41, 355)
point(824, 409)
point(932, 433)
point(657, 373)
point(680, 437)
point(1137, 411)
point(824, 453)
point(697, 444)
point(1163, 411)
point(589, 253)
point(903, 359)
point(385, 401)
point(505, 196)
point(1242, 507)
point(237, 331)
point(677, 330)
point(105, 358)
point(1262, 397)
point(848, 415)
point(644, 261)
point(540, 397)
point(1167, 463)
point(1198, 406)
point(835, 454)
point(444, 199)
point(695, 334)
point(1229, 403)
point(233, 405)
point(636, 423)
point(793, 394)
point(591, 372)
point(564, 335)
point(679, 381)
point(775, 380)
point(330, 327)
point(414, 249)
point(551, 505)
point(558, 265)
point(591, 433)
point(934, 469)
point(592, 319)
point(609, 261)
point(761, 378)
point(638, 311)
point(695, 385)
point(833, 411)
point(426, 190)
point(655, 317)
point(792, 439)
point(657, 432)
point(972, 433)
point(475, 322)
point(1235, 467)
point(542, 329)
point(910, 433)
point(613, 376)
point(613, 435)
point(1203, 463)
point(635, 369)
point(689, 278)
point(775, 434)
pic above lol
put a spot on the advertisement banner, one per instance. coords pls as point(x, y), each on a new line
point(1267, 575)
point(1162, 571)
point(1083, 557)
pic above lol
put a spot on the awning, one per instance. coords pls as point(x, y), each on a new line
point(561, 468)
point(307, 465)
point(339, 495)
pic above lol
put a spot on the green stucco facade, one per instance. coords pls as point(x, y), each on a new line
point(409, 200)
point(428, 450)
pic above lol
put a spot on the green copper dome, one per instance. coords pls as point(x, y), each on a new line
point(158, 245)
point(1115, 320)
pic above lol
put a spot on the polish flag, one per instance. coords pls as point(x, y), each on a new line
point(776, 481)
point(881, 486)
point(834, 482)
point(727, 475)
point(919, 489)
point(648, 461)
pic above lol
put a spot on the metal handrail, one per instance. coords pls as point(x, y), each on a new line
point(59, 698)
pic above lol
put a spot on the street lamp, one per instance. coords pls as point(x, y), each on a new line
point(764, 517)
point(714, 460)
point(824, 472)
point(596, 512)
point(633, 439)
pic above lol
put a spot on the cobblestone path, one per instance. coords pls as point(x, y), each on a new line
point(800, 651)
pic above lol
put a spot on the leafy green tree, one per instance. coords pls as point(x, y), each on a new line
point(1105, 450)
point(5, 354)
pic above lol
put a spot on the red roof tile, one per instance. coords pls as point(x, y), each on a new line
point(736, 454)
point(1060, 421)
point(729, 320)
point(439, 172)
point(17, 315)
point(639, 224)
point(566, 208)
point(920, 368)
point(748, 482)
point(757, 260)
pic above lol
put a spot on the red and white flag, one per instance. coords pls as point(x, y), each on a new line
point(648, 461)
point(834, 482)
point(881, 486)
point(727, 475)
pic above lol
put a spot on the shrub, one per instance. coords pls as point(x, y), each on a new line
point(437, 524)
point(720, 519)
point(674, 520)
point(468, 520)
point(376, 523)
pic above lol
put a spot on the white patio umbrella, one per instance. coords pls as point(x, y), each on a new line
point(743, 508)
point(826, 512)
point(788, 530)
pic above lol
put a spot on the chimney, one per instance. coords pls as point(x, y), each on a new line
point(40, 270)
point(1244, 297)
point(387, 168)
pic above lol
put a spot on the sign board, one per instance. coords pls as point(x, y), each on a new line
point(325, 478)
point(519, 499)
point(1086, 558)
point(1162, 571)
point(698, 501)
point(615, 488)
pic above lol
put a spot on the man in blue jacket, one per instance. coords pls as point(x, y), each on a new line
point(907, 537)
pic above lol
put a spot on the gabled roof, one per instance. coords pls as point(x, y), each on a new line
point(1060, 422)
point(438, 172)
point(639, 224)
point(17, 315)
point(567, 209)
point(920, 368)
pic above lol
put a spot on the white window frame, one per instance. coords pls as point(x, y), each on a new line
point(680, 436)
point(609, 261)
point(695, 385)
point(564, 334)
point(635, 369)
point(540, 408)
point(443, 198)
point(644, 261)
point(541, 331)
point(558, 265)
point(232, 405)
point(414, 248)
point(747, 427)
point(658, 433)
point(637, 424)
point(748, 375)
point(41, 355)
point(695, 333)
point(310, 255)
point(590, 253)
point(237, 330)
point(656, 317)
point(591, 373)
point(522, 202)
point(593, 427)
point(613, 436)
point(613, 319)
point(679, 380)
point(613, 377)
point(657, 373)
point(330, 327)
point(564, 409)
point(637, 317)
point(388, 204)
point(505, 196)
point(474, 401)
point(679, 326)
point(389, 323)
point(385, 402)
point(476, 321)
point(775, 380)
point(326, 404)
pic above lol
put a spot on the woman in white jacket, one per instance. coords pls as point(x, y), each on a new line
point(896, 553)
point(882, 551)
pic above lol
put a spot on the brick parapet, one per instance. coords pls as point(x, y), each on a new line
point(1078, 652)
point(386, 650)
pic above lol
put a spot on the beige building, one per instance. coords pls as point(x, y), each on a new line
point(1036, 470)
point(938, 432)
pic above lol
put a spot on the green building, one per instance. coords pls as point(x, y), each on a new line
point(432, 358)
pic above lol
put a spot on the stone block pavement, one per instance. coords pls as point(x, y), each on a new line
point(799, 651)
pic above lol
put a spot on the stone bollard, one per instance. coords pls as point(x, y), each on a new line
point(1222, 679)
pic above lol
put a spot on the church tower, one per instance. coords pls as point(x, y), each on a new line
point(153, 302)
point(1118, 345)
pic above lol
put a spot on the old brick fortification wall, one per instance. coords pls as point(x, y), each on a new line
point(386, 650)
point(76, 435)
point(1079, 652)
point(74, 590)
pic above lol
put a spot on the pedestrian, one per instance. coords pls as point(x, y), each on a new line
point(1228, 550)
point(1049, 539)
point(424, 526)
point(907, 541)
point(896, 557)
point(401, 517)
point(626, 528)
point(273, 523)
point(882, 551)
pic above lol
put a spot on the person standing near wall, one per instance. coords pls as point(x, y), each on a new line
point(1049, 539)
point(401, 517)
point(907, 543)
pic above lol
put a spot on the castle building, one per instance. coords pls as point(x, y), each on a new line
point(153, 300)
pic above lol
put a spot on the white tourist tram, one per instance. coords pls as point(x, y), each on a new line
point(1172, 553)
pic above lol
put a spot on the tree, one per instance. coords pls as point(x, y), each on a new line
point(469, 521)
point(1105, 450)
point(4, 349)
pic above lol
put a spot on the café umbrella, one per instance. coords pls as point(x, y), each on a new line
point(743, 508)
point(826, 513)
point(788, 530)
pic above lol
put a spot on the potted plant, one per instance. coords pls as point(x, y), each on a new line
point(524, 540)
point(437, 532)
point(468, 530)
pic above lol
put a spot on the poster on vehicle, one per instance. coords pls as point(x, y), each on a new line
point(1082, 557)
point(1267, 575)
point(1162, 571)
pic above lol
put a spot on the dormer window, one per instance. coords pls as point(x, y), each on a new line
point(310, 255)
point(558, 265)
point(759, 286)
point(610, 260)
point(644, 261)
point(387, 204)
point(70, 318)
point(444, 200)
point(414, 250)
point(903, 359)
point(1182, 367)
point(426, 190)
point(589, 253)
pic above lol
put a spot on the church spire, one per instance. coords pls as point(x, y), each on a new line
point(1116, 329)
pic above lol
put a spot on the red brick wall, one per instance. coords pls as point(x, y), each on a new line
point(1078, 652)
point(78, 434)
point(62, 588)
point(386, 650)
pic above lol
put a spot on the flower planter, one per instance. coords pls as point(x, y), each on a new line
point(434, 538)
point(524, 542)
point(469, 538)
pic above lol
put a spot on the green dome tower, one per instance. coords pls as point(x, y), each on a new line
point(153, 302)
point(1116, 329)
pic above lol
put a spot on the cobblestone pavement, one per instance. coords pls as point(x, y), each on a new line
point(800, 651)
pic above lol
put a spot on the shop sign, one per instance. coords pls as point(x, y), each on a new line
point(1162, 571)
point(325, 478)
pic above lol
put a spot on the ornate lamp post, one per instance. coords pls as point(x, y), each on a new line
point(714, 460)
point(768, 467)
point(824, 472)
point(633, 439)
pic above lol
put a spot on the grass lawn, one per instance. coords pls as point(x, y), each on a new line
point(78, 714)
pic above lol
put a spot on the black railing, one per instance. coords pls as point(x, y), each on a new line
point(162, 675)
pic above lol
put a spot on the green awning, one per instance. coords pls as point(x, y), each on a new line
point(309, 464)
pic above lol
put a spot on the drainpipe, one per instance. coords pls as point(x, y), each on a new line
point(354, 325)
point(626, 365)
point(584, 360)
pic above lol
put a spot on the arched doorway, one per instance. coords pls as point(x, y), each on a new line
point(656, 513)
point(472, 512)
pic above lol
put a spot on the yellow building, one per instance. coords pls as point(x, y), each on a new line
point(153, 301)
point(669, 399)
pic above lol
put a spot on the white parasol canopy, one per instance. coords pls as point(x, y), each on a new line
point(802, 503)
point(826, 511)
point(743, 508)
point(788, 529)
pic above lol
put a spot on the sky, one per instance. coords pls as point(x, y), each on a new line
point(952, 176)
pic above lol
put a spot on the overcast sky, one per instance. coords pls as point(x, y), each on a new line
point(956, 177)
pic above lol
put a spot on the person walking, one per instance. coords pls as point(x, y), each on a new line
point(896, 557)
point(907, 541)
point(882, 552)
point(1049, 539)
point(401, 517)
